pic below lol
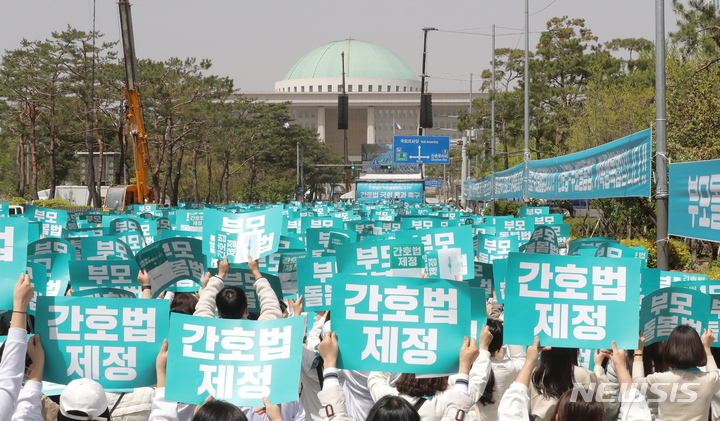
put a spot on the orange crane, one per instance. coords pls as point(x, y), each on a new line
point(117, 197)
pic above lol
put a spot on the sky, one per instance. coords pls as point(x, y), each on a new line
point(256, 42)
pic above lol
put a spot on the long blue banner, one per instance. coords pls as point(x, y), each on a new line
point(694, 204)
point(621, 168)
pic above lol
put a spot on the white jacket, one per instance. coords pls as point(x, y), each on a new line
point(12, 369)
point(134, 406)
point(515, 405)
point(269, 305)
point(434, 408)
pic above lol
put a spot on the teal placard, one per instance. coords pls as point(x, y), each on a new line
point(261, 227)
point(290, 242)
point(113, 341)
point(38, 278)
point(239, 361)
point(4, 209)
point(534, 210)
point(244, 279)
point(318, 222)
point(478, 312)
point(443, 240)
point(649, 281)
point(91, 274)
point(666, 308)
point(371, 258)
point(401, 325)
point(320, 240)
point(483, 278)
point(543, 241)
point(675, 277)
point(592, 242)
point(617, 250)
point(706, 287)
point(105, 248)
point(172, 260)
point(104, 293)
point(407, 256)
point(56, 265)
point(499, 273)
point(315, 275)
point(714, 319)
point(52, 245)
point(491, 248)
point(13, 256)
point(572, 301)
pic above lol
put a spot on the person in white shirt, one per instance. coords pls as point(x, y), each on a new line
point(506, 362)
point(413, 389)
point(12, 365)
point(515, 403)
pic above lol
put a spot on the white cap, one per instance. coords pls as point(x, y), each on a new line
point(84, 395)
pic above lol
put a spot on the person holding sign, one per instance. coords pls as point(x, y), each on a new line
point(391, 407)
point(506, 362)
point(12, 365)
point(231, 301)
point(686, 389)
point(414, 390)
point(572, 405)
point(557, 373)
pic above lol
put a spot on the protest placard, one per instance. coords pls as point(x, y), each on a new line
point(403, 325)
point(666, 308)
point(443, 240)
point(572, 301)
point(13, 256)
point(491, 248)
point(239, 361)
point(315, 276)
point(478, 312)
point(104, 248)
point(237, 235)
point(245, 280)
point(113, 341)
point(56, 266)
point(90, 274)
point(172, 260)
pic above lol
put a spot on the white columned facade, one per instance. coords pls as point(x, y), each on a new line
point(370, 125)
point(321, 123)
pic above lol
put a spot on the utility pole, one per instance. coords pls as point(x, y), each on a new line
point(661, 193)
point(422, 76)
point(464, 176)
point(297, 170)
point(345, 139)
point(527, 101)
point(492, 130)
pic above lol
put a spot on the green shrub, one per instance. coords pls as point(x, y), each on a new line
point(505, 208)
point(18, 201)
point(56, 203)
point(679, 257)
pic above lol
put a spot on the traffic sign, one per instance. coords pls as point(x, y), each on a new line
point(421, 149)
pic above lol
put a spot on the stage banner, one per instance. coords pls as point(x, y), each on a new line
point(407, 192)
point(510, 183)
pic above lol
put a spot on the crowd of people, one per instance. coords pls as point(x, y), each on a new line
point(675, 380)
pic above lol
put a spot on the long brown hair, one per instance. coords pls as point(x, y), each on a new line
point(408, 384)
point(569, 409)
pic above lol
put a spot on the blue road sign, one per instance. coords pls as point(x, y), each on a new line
point(421, 149)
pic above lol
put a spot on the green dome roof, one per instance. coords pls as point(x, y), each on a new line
point(362, 59)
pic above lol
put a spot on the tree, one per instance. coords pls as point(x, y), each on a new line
point(699, 31)
point(560, 72)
